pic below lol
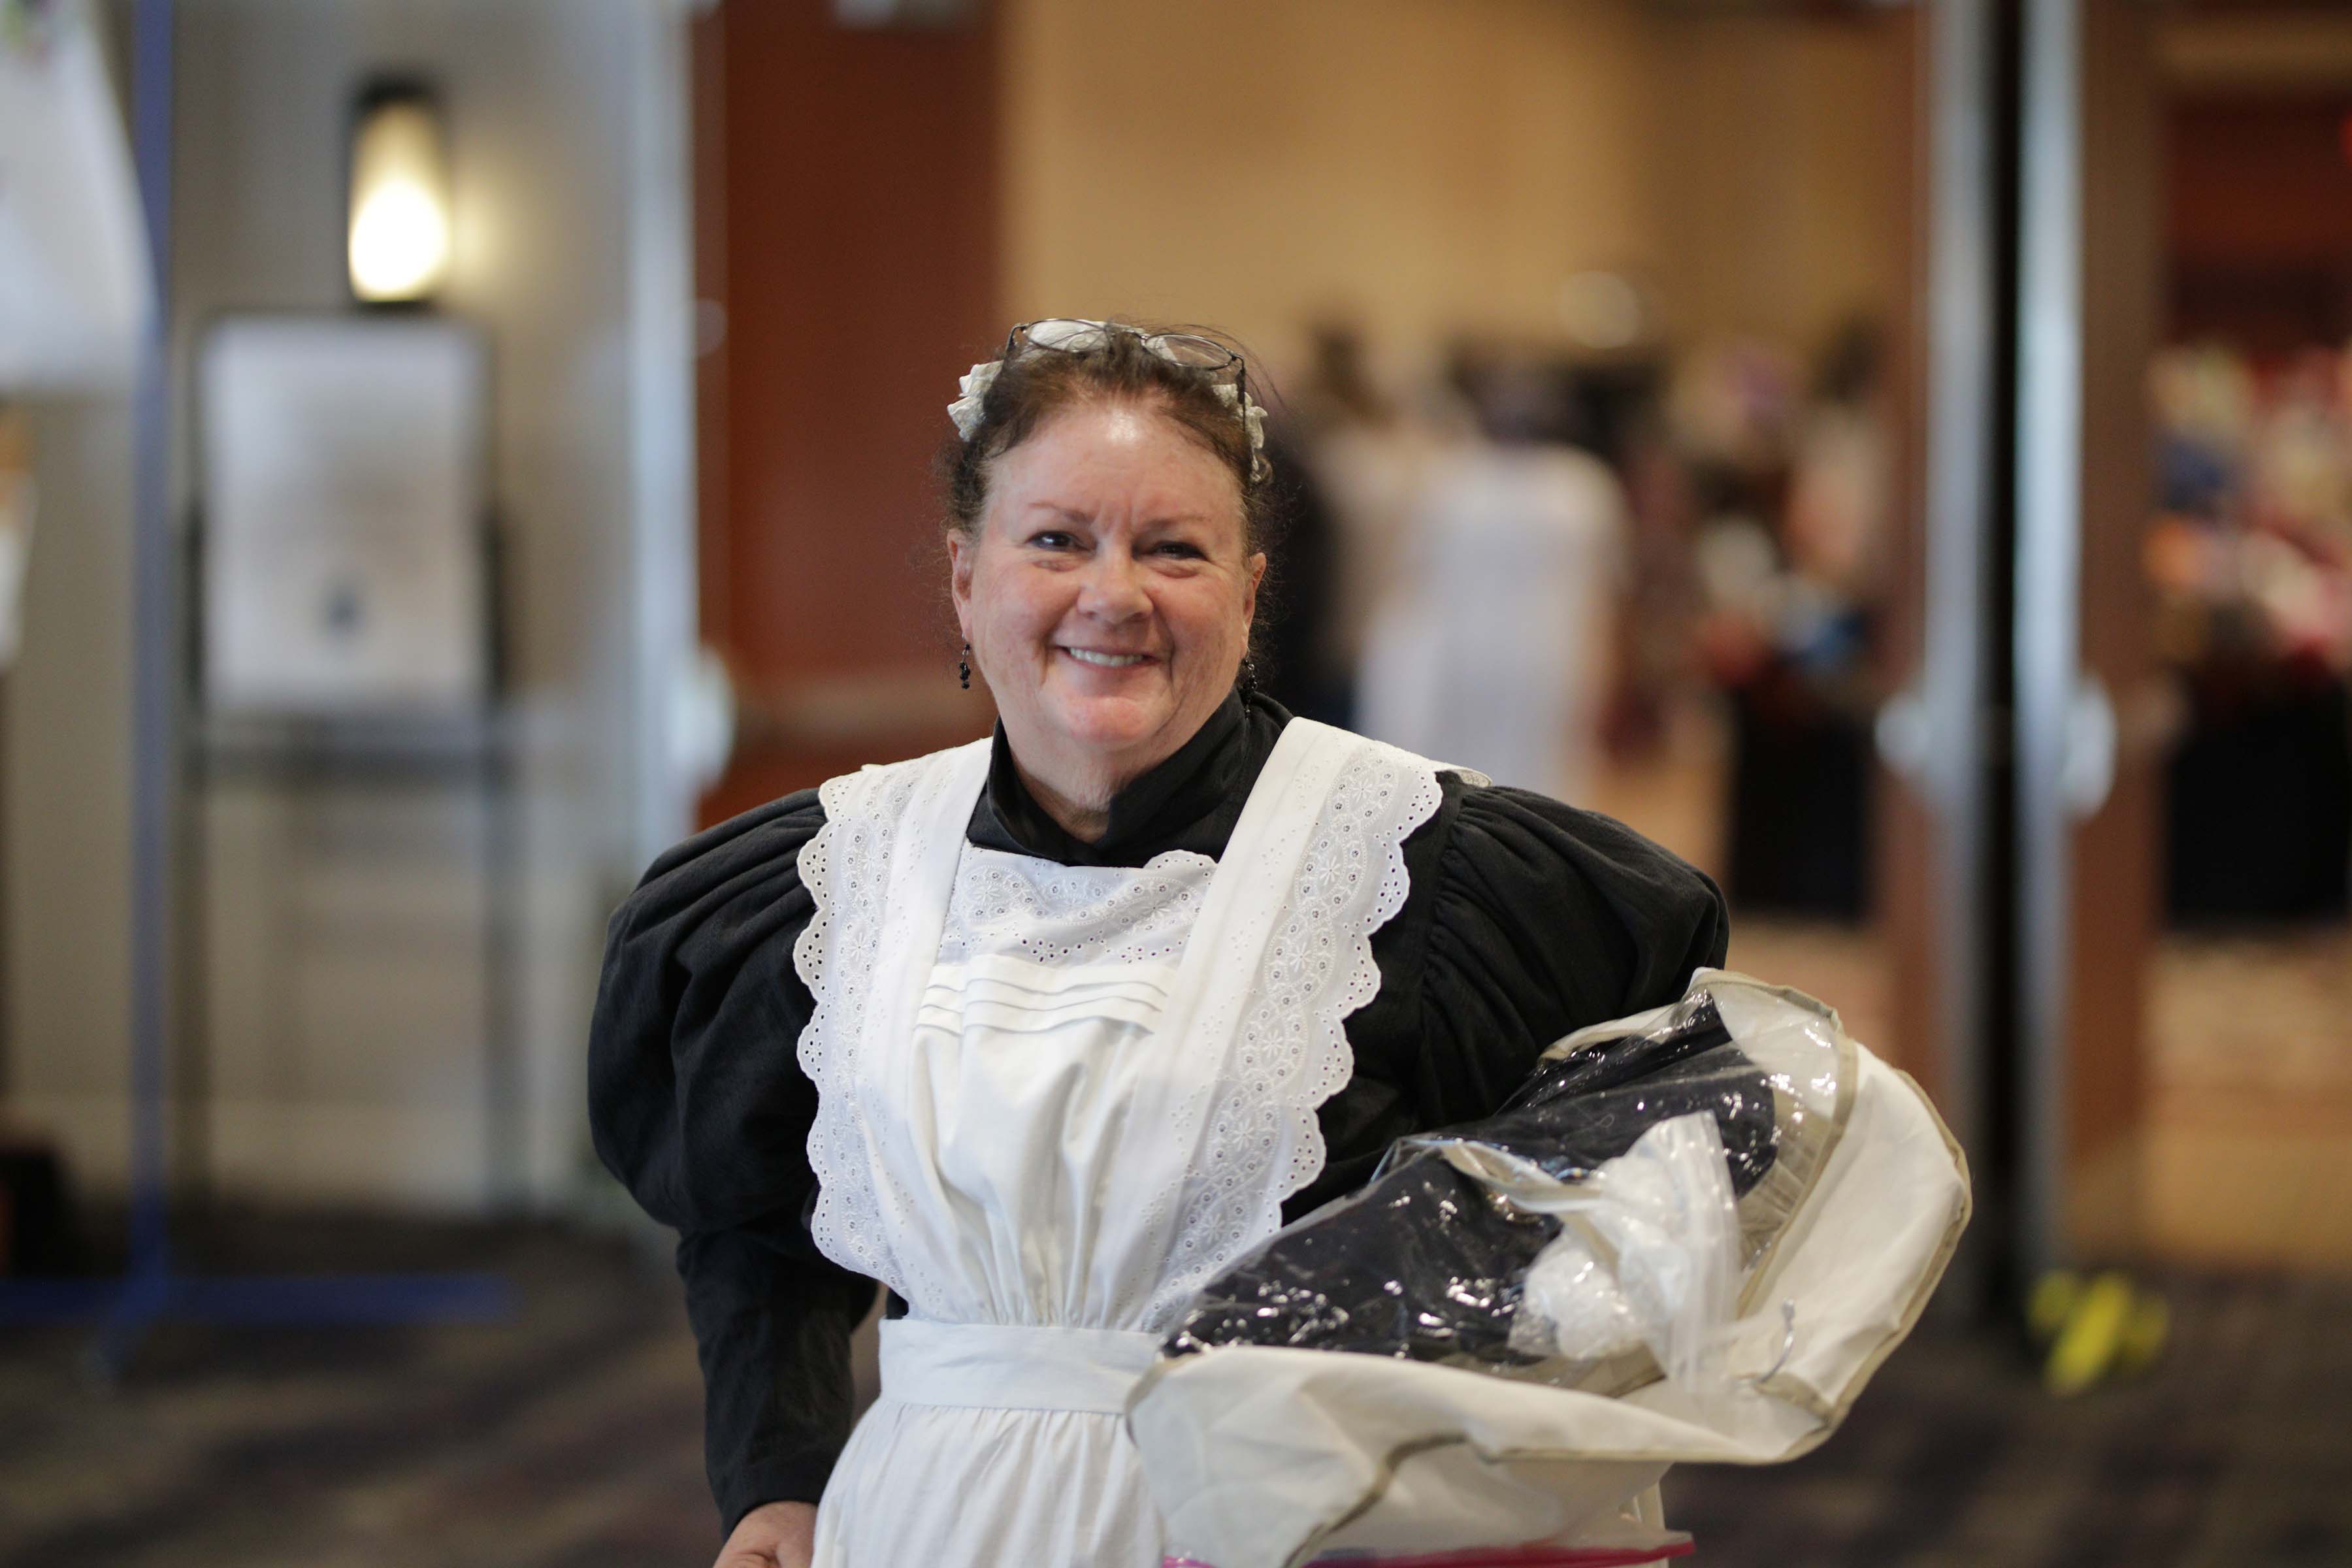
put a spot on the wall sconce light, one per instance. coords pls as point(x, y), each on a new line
point(399, 196)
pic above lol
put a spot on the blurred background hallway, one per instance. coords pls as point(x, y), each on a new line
point(451, 450)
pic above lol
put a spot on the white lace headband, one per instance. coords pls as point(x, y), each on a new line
point(966, 409)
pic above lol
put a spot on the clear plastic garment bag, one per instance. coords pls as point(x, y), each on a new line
point(1692, 1235)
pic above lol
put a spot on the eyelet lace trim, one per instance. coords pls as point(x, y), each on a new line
point(1064, 916)
point(1291, 1053)
point(845, 869)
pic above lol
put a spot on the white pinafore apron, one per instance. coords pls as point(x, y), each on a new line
point(1052, 1102)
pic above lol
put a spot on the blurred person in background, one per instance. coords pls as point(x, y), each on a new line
point(1797, 497)
point(1295, 645)
point(972, 1024)
point(1368, 460)
point(1842, 481)
point(1494, 645)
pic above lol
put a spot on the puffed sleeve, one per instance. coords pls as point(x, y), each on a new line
point(698, 1104)
point(1526, 920)
point(1546, 918)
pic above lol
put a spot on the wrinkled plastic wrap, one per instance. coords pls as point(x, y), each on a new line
point(1597, 1233)
point(1691, 1235)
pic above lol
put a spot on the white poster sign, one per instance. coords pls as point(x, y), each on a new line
point(344, 485)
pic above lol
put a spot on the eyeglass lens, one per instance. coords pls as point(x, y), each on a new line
point(1067, 335)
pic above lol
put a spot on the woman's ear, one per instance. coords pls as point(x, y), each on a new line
point(1249, 597)
point(960, 551)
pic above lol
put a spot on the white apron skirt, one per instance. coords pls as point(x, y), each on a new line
point(1052, 1102)
point(995, 1445)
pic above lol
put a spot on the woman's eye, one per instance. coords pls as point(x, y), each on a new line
point(1177, 547)
point(1053, 538)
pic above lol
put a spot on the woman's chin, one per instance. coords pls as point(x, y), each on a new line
point(1111, 721)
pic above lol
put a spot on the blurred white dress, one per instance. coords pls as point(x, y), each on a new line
point(1371, 475)
point(1053, 1100)
point(1493, 646)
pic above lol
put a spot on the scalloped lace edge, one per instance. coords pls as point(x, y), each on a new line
point(1221, 1220)
point(838, 866)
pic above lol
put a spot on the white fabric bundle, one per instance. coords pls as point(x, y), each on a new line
point(1262, 1458)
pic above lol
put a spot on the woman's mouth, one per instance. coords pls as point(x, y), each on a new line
point(1101, 660)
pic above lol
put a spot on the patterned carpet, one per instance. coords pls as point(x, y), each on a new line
point(569, 1439)
point(2234, 1452)
point(569, 1435)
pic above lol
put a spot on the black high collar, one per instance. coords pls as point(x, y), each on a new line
point(1189, 801)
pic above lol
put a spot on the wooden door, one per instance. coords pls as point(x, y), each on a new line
point(847, 218)
point(1934, 786)
point(2088, 709)
point(2021, 864)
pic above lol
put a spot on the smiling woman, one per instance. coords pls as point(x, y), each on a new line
point(1082, 1012)
point(1107, 591)
point(1105, 541)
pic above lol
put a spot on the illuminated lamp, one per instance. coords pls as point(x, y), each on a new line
point(400, 238)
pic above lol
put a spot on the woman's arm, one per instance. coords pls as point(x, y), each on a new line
point(699, 1105)
point(1542, 919)
point(771, 1330)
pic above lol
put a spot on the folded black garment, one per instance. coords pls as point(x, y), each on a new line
point(1427, 1262)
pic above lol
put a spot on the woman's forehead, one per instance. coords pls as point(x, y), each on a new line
point(1122, 456)
point(1125, 430)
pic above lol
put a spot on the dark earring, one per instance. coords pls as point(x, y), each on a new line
point(1247, 680)
point(964, 667)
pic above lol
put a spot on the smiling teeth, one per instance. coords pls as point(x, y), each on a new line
point(1108, 660)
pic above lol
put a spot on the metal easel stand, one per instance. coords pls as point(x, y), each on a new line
point(299, 757)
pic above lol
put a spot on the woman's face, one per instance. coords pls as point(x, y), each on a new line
point(1107, 594)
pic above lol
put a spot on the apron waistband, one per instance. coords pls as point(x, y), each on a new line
point(999, 1366)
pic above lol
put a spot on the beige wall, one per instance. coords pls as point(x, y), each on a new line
point(1431, 166)
point(1783, 159)
point(1252, 164)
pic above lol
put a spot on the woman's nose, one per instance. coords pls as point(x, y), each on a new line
point(1114, 588)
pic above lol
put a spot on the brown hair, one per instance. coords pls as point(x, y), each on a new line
point(1038, 383)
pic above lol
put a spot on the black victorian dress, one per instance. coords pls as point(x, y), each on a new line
point(1524, 919)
